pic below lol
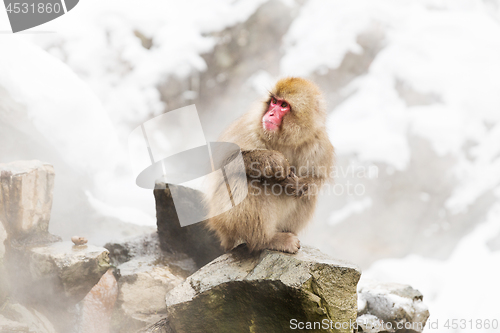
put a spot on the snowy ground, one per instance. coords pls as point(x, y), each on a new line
point(90, 80)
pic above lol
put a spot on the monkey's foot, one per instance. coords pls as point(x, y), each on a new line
point(285, 242)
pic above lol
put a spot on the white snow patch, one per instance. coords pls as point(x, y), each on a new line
point(352, 208)
point(123, 213)
point(468, 278)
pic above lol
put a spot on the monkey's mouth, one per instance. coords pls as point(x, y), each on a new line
point(269, 125)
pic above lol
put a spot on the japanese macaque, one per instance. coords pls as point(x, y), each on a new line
point(287, 156)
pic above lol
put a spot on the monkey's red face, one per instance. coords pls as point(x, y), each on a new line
point(273, 117)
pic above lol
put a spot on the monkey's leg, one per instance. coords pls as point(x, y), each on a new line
point(227, 243)
point(299, 215)
point(226, 235)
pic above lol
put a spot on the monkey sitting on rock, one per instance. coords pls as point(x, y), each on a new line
point(284, 145)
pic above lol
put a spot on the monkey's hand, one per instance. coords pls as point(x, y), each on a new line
point(266, 164)
point(295, 186)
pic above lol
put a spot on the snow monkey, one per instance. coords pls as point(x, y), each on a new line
point(287, 156)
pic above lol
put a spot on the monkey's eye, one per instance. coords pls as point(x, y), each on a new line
point(273, 100)
point(284, 104)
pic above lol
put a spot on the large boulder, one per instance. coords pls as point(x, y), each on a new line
point(67, 270)
point(265, 292)
point(390, 308)
point(61, 272)
point(146, 275)
point(97, 307)
point(26, 189)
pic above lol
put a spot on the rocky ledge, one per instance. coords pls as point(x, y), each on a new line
point(266, 292)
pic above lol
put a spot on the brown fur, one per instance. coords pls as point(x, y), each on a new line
point(298, 157)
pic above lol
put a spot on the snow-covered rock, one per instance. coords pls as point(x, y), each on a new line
point(390, 307)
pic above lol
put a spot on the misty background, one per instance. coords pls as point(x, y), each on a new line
point(412, 89)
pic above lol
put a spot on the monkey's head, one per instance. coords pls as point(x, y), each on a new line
point(293, 111)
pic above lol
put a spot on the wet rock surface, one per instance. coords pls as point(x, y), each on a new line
point(55, 277)
point(245, 292)
point(97, 306)
point(390, 307)
point(147, 273)
point(73, 270)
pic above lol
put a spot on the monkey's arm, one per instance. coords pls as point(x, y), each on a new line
point(266, 164)
point(272, 167)
point(300, 186)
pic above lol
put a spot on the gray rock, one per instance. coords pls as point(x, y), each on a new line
point(141, 297)
point(54, 278)
point(97, 307)
point(146, 275)
point(390, 307)
point(4, 285)
point(161, 326)
point(26, 197)
point(243, 292)
point(7, 325)
point(68, 269)
point(17, 318)
point(3, 237)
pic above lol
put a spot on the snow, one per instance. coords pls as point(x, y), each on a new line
point(70, 116)
point(50, 102)
point(444, 48)
point(354, 207)
point(97, 40)
point(123, 213)
point(463, 287)
point(261, 82)
point(450, 51)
